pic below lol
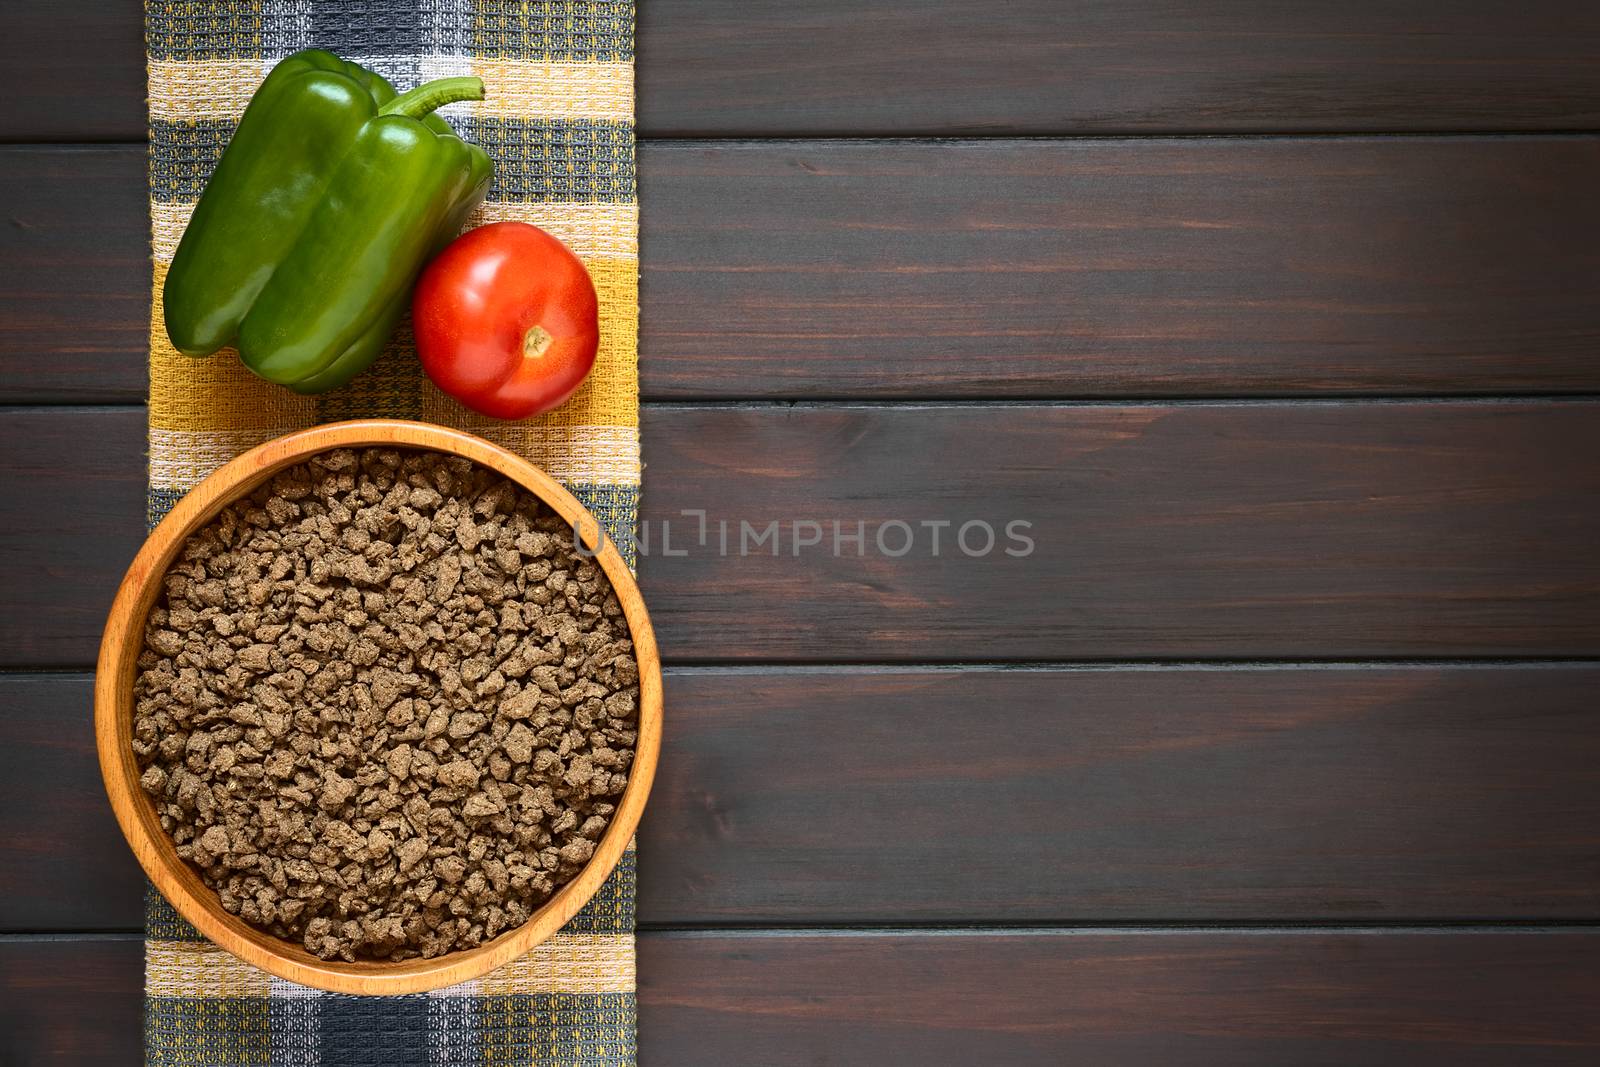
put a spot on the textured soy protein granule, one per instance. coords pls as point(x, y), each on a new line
point(385, 706)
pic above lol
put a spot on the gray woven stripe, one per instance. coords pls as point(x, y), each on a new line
point(208, 29)
point(554, 31)
point(453, 1032)
point(373, 1031)
point(551, 31)
point(576, 160)
point(206, 1032)
point(617, 509)
point(296, 1038)
point(159, 502)
point(545, 161)
point(556, 1029)
point(162, 921)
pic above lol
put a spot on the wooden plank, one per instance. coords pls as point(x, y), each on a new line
point(1317, 999)
point(1118, 268)
point(1261, 530)
point(716, 67)
point(844, 797)
point(63, 862)
point(73, 511)
point(74, 70)
point(74, 274)
point(1313, 999)
point(985, 269)
point(71, 1001)
point(1325, 530)
point(1126, 795)
point(71, 518)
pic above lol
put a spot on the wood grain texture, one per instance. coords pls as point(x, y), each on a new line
point(1327, 530)
point(1262, 530)
point(1118, 268)
point(72, 515)
point(74, 274)
point(1073, 66)
point(1126, 795)
point(1018, 796)
point(988, 269)
point(72, 70)
point(63, 862)
point(735, 67)
point(1314, 999)
point(71, 1001)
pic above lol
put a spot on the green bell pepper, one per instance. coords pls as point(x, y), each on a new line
point(318, 218)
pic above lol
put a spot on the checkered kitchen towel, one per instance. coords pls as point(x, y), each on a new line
point(558, 122)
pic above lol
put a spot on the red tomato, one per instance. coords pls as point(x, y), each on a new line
point(507, 321)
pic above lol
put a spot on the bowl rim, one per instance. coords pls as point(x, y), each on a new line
point(123, 641)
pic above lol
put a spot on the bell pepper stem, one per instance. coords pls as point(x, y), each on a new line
point(430, 96)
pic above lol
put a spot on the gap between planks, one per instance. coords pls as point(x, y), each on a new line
point(713, 668)
point(1176, 928)
point(980, 403)
point(693, 140)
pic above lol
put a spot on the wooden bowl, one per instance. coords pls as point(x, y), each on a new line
point(180, 883)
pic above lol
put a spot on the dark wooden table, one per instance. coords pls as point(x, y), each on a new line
point(1281, 324)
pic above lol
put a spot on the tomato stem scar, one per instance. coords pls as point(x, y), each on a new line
point(536, 342)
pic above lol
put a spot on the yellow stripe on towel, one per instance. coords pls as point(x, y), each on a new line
point(219, 393)
point(515, 88)
point(567, 963)
point(194, 90)
point(199, 969)
point(199, 90)
point(593, 231)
